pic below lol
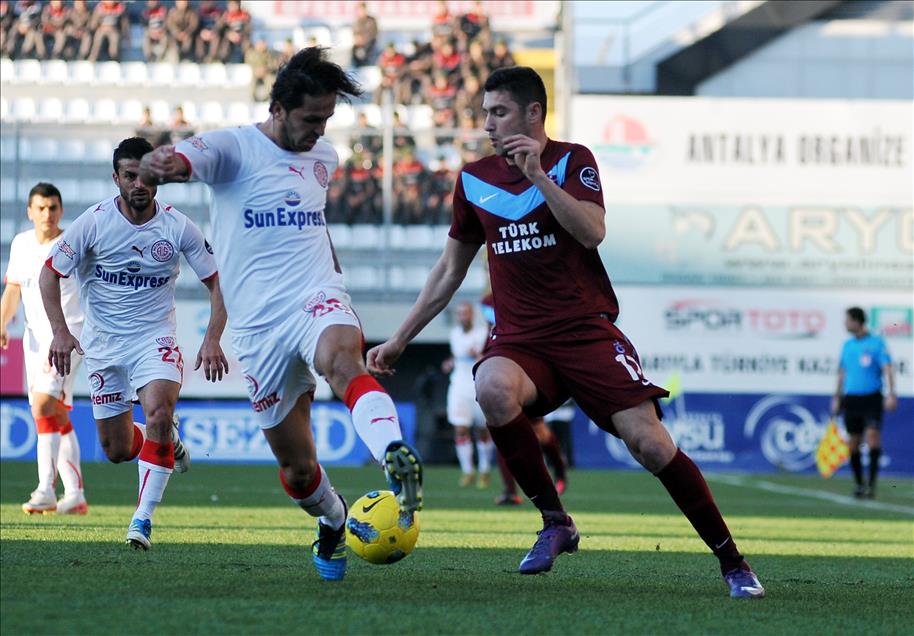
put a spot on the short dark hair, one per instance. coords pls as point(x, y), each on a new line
point(522, 82)
point(856, 314)
point(43, 189)
point(131, 148)
point(309, 72)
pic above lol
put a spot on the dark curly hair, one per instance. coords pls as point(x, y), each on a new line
point(131, 148)
point(309, 72)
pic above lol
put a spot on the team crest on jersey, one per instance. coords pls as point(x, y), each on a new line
point(292, 199)
point(198, 143)
point(321, 174)
point(162, 251)
point(97, 382)
point(64, 247)
point(590, 178)
point(167, 341)
point(133, 267)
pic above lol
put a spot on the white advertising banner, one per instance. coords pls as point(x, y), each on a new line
point(741, 151)
point(719, 340)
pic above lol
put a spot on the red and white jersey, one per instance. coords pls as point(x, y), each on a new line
point(27, 257)
point(127, 272)
point(267, 213)
point(466, 347)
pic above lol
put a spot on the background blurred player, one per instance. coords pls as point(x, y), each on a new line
point(467, 341)
point(125, 253)
point(284, 288)
point(537, 205)
point(50, 394)
point(864, 359)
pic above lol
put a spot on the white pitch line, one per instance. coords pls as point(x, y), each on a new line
point(761, 484)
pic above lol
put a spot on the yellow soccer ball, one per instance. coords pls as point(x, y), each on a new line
point(378, 531)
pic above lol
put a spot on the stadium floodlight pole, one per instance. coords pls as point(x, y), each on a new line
point(565, 84)
point(387, 183)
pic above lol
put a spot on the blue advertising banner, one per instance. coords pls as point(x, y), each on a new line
point(213, 431)
point(754, 433)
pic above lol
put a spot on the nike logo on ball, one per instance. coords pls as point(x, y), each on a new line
point(368, 508)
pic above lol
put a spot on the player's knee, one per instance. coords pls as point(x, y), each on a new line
point(300, 473)
point(116, 452)
point(495, 397)
point(159, 418)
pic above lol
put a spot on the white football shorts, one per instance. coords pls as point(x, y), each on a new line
point(115, 381)
point(462, 407)
point(41, 376)
point(277, 361)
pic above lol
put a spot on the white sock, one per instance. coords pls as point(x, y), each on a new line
point(485, 450)
point(323, 502)
point(153, 479)
point(465, 455)
point(68, 464)
point(375, 420)
point(48, 447)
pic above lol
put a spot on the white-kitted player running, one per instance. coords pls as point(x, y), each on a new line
point(50, 394)
point(284, 292)
point(125, 254)
point(467, 342)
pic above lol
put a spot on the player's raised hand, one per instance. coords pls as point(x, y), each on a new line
point(526, 154)
point(213, 361)
point(380, 359)
point(59, 352)
point(158, 165)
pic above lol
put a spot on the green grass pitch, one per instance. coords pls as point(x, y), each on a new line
point(230, 556)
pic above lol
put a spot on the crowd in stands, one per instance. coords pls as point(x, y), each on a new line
point(446, 72)
point(59, 30)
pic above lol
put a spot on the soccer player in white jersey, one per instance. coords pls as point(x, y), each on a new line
point(284, 289)
point(463, 412)
point(125, 254)
point(50, 395)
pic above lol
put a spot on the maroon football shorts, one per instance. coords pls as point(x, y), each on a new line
point(592, 362)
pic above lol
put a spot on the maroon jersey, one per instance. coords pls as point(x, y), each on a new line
point(543, 280)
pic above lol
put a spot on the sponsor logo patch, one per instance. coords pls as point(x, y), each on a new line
point(162, 251)
point(198, 143)
point(590, 178)
point(97, 382)
point(64, 247)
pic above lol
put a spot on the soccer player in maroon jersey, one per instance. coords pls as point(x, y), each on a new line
point(537, 205)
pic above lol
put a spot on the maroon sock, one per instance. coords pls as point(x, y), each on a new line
point(688, 488)
point(554, 454)
point(520, 449)
point(506, 477)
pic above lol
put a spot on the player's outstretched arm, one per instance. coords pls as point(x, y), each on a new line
point(211, 356)
point(163, 166)
point(440, 286)
point(9, 302)
point(63, 343)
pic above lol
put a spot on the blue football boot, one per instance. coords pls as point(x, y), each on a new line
point(139, 534)
point(743, 583)
point(329, 551)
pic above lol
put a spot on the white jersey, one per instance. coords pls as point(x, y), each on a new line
point(466, 347)
point(127, 272)
point(267, 213)
point(27, 258)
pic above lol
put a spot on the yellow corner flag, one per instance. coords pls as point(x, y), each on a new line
point(833, 451)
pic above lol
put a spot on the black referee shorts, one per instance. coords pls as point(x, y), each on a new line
point(861, 412)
